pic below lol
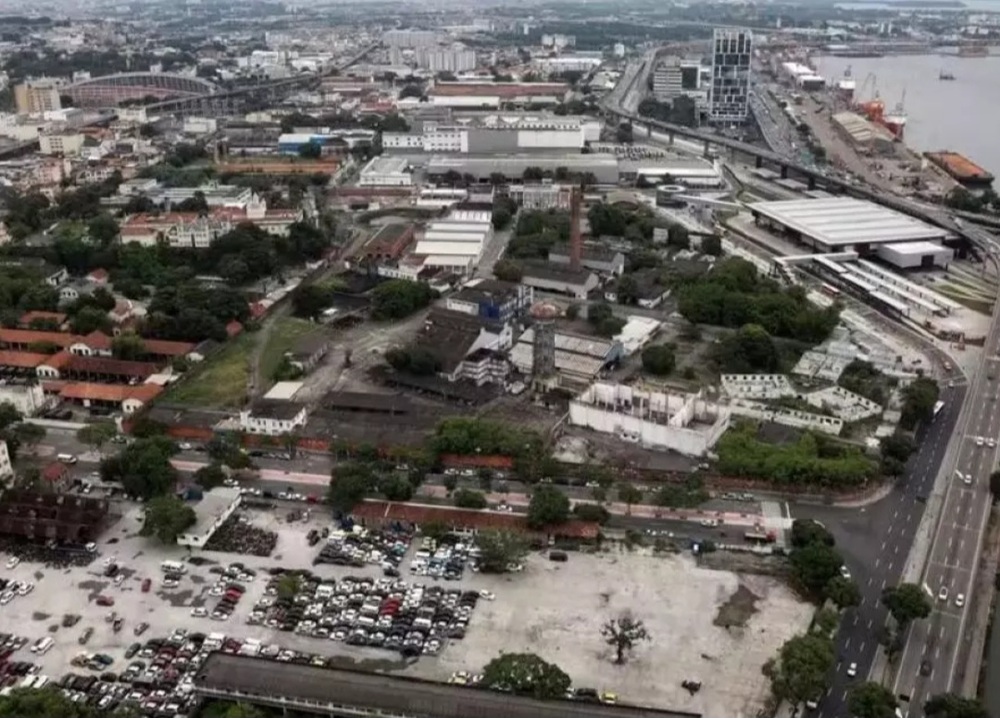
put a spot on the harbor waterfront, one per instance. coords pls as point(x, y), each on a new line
point(958, 115)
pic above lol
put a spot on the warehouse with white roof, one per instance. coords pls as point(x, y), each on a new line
point(839, 224)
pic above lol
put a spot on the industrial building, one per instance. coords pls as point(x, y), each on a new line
point(913, 255)
point(488, 94)
point(386, 172)
point(210, 513)
point(863, 134)
point(541, 196)
point(578, 359)
point(560, 279)
point(729, 94)
point(687, 424)
point(446, 59)
point(498, 133)
point(695, 175)
point(388, 242)
point(492, 299)
point(604, 168)
point(843, 223)
point(597, 259)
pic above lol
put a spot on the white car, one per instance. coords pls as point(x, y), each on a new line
point(943, 594)
point(845, 572)
point(185, 446)
point(852, 670)
point(199, 612)
point(119, 579)
point(25, 588)
point(960, 600)
point(979, 441)
point(488, 595)
point(13, 562)
point(992, 443)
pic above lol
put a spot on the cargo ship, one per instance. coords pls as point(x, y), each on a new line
point(963, 170)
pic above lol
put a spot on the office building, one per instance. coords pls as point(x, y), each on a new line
point(729, 94)
point(410, 38)
point(37, 96)
point(674, 77)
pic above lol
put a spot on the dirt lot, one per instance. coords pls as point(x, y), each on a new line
point(534, 611)
point(556, 610)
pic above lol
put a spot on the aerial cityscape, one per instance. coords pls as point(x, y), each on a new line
point(631, 360)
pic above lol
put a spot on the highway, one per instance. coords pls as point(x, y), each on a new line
point(932, 657)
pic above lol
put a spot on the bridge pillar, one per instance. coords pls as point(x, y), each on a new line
point(649, 131)
point(784, 172)
point(758, 161)
point(812, 183)
point(705, 151)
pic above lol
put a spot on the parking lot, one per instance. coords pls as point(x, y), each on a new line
point(553, 609)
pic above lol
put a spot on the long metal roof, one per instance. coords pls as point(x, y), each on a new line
point(840, 221)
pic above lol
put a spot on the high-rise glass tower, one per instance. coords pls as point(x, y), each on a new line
point(729, 94)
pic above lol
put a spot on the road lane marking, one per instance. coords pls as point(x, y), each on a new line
point(862, 649)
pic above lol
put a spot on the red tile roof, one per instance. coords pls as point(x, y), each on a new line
point(499, 89)
point(109, 392)
point(56, 471)
point(22, 360)
point(28, 317)
point(162, 347)
point(105, 365)
point(59, 360)
point(98, 275)
point(233, 328)
point(95, 340)
point(465, 518)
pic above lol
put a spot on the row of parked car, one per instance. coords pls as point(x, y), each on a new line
point(382, 613)
point(360, 547)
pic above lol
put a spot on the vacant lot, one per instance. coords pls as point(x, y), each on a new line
point(221, 381)
point(556, 610)
point(282, 337)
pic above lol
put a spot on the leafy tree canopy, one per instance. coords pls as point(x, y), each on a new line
point(167, 517)
point(526, 674)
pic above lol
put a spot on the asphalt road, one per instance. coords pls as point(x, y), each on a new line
point(875, 542)
point(937, 642)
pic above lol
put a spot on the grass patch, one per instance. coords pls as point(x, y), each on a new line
point(285, 332)
point(221, 381)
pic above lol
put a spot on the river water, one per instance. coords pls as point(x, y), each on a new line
point(961, 114)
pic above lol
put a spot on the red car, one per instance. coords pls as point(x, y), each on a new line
point(146, 584)
point(105, 601)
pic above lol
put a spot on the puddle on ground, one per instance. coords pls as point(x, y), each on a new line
point(176, 598)
point(53, 628)
point(38, 575)
point(371, 665)
point(39, 616)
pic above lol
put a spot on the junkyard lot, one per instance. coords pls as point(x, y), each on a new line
point(553, 609)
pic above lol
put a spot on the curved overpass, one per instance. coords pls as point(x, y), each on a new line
point(114, 89)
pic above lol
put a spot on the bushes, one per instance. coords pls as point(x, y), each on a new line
point(399, 298)
point(659, 359)
point(733, 295)
point(812, 460)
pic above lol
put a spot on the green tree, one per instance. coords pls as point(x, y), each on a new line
point(501, 218)
point(167, 517)
point(28, 434)
point(8, 414)
point(399, 298)
point(41, 702)
point(310, 151)
point(843, 592)
point(289, 586)
point(548, 506)
point(499, 549)
point(468, 499)
point(395, 488)
point(622, 634)
point(591, 512)
point(103, 229)
point(659, 359)
point(210, 476)
point(90, 319)
point(97, 435)
point(350, 484)
point(629, 494)
point(906, 602)
point(677, 236)
point(801, 670)
point(872, 700)
point(951, 705)
point(508, 271)
point(526, 674)
point(143, 468)
point(919, 398)
point(814, 565)
point(128, 346)
point(806, 532)
point(749, 349)
point(712, 245)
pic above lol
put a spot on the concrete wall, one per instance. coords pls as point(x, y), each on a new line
point(788, 417)
point(489, 141)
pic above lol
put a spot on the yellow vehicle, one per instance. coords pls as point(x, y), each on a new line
point(609, 698)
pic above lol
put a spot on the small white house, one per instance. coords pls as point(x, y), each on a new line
point(273, 417)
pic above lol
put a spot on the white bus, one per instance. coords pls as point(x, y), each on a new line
point(173, 567)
